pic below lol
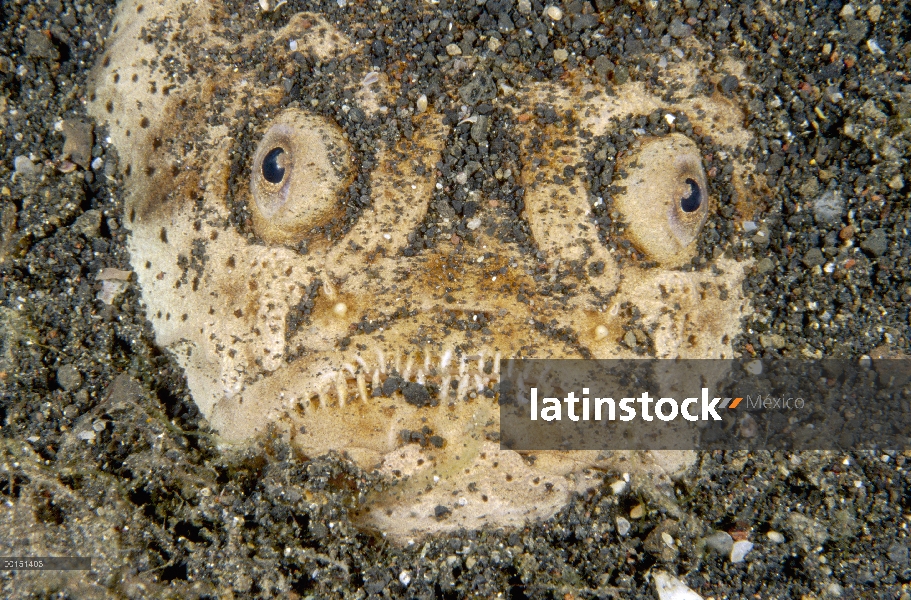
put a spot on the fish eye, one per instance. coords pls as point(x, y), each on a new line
point(693, 198)
point(299, 168)
point(272, 167)
point(665, 203)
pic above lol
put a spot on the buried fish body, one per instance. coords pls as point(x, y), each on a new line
point(317, 269)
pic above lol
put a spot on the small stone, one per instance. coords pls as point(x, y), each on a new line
point(623, 526)
point(493, 44)
point(679, 30)
point(554, 13)
point(637, 512)
point(897, 182)
point(77, 145)
point(421, 104)
point(473, 224)
point(453, 50)
point(775, 537)
point(809, 188)
point(24, 166)
point(630, 339)
point(88, 223)
point(441, 512)
point(618, 487)
point(806, 532)
point(876, 243)
point(110, 290)
point(112, 273)
point(847, 11)
point(99, 425)
point(602, 66)
point(729, 84)
point(39, 45)
point(772, 340)
point(669, 587)
point(740, 550)
point(560, 55)
point(874, 13)
point(621, 75)
point(813, 257)
point(720, 541)
point(846, 233)
point(829, 207)
point(765, 265)
point(898, 553)
point(69, 377)
point(524, 7)
point(405, 578)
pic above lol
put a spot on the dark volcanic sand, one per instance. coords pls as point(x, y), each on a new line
point(163, 514)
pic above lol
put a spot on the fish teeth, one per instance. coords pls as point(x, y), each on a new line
point(341, 388)
point(362, 386)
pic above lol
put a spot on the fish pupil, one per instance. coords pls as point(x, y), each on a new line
point(693, 200)
point(272, 171)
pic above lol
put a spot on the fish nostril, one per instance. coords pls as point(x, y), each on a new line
point(693, 200)
point(273, 172)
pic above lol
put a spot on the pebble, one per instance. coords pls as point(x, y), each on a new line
point(560, 55)
point(77, 145)
point(775, 537)
point(24, 166)
point(729, 84)
point(876, 242)
point(69, 377)
point(524, 7)
point(453, 50)
point(405, 578)
point(88, 223)
point(669, 587)
point(602, 66)
point(829, 207)
point(874, 13)
point(623, 526)
point(618, 487)
point(813, 257)
point(88, 436)
point(679, 30)
point(774, 341)
point(637, 512)
point(740, 550)
point(39, 45)
point(720, 541)
point(554, 13)
point(421, 104)
point(110, 290)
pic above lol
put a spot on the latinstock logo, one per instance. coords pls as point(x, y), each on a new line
point(724, 404)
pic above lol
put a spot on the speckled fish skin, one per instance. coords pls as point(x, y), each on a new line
point(225, 297)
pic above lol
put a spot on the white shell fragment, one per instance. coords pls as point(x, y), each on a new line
point(669, 587)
